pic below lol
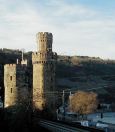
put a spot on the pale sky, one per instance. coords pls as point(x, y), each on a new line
point(79, 27)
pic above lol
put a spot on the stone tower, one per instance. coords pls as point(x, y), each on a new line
point(15, 83)
point(44, 72)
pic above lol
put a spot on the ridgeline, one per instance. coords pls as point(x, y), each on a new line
point(73, 72)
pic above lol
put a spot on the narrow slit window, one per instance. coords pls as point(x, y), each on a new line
point(10, 78)
point(11, 90)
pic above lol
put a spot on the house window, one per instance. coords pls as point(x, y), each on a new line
point(10, 78)
point(11, 90)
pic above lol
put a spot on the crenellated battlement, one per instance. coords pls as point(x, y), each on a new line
point(44, 35)
point(44, 41)
point(35, 57)
point(10, 65)
point(35, 53)
point(46, 56)
point(24, 62)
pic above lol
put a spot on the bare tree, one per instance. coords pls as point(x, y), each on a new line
point(83, 102)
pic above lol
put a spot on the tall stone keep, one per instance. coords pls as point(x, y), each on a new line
point(44, 61)
point(16, 84)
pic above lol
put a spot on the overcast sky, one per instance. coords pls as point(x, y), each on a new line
point(79, 27)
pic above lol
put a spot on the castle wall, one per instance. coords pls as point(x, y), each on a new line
point(16, 84)
point(38, 86)
point(49, 82)
point(22, 83)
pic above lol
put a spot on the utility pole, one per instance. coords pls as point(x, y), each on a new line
point(63, 103)
point(63, 98)
point(70, 97)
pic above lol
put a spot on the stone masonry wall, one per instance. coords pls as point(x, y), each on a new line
point(16, 84)
point(44, 72)
point(10, 85)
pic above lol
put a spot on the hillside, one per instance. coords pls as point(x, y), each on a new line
point(87, 73)
point(74, 72)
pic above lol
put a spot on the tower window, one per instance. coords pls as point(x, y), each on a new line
point(11, 90)
point(10, 78)
point(51, 79)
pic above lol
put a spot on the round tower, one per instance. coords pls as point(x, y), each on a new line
point(44, 72)
point(44, 41)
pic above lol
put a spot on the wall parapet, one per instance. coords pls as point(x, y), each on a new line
point(44, 35)
point(10, 65)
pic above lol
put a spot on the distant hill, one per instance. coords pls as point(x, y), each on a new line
point(74, 72)
point(87, 73)
point(72, 66)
